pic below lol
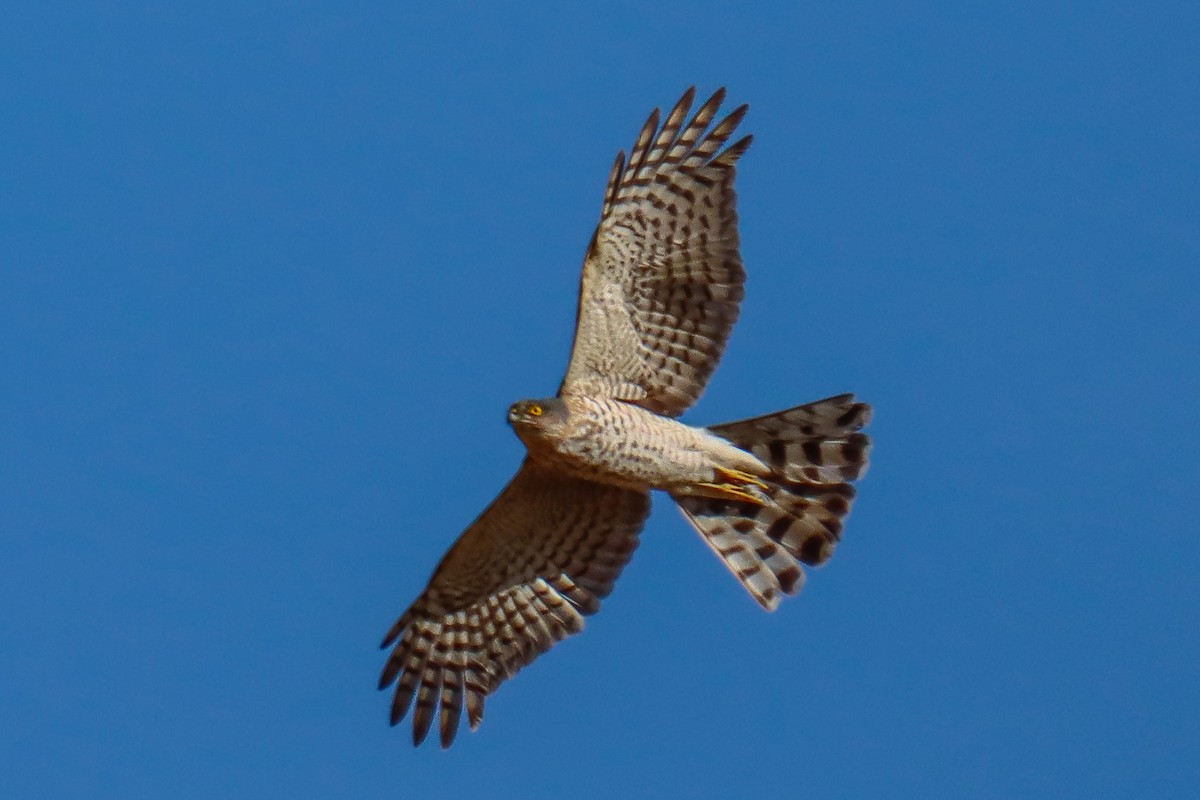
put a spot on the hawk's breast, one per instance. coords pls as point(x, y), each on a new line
point(618, 443)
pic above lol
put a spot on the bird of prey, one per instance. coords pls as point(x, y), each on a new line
point(661, 286)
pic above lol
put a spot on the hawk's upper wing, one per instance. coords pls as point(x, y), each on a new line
point(518, 580)
point(662, 278)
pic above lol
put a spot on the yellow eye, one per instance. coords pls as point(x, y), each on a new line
point(535, 410)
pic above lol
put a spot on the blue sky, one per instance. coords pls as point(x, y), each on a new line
point(270, 275)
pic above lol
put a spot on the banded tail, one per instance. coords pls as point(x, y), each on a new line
point(813, 451)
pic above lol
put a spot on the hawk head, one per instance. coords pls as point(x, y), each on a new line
point(537, 415)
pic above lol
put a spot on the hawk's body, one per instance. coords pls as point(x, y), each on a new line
point(618, 443)
point(660, 291)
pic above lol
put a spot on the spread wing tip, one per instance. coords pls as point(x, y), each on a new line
point(730, 155)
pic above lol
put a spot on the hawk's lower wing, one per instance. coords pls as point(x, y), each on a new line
point(517, 581)
point(663, 278)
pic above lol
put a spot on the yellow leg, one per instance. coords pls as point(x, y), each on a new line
point(736, 476)
point(731, 492)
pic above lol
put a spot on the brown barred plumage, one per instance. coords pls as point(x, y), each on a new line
point(659, 295)
point(521, 578)
point(663, 278)
point(813, 451)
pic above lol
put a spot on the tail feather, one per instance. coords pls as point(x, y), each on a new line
point(813, 451)
point(817, 443)
point(766, 569)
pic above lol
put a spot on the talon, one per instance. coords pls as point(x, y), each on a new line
point(736, 476)
point(730, 492)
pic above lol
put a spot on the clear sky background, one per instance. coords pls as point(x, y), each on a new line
point(271, 273)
